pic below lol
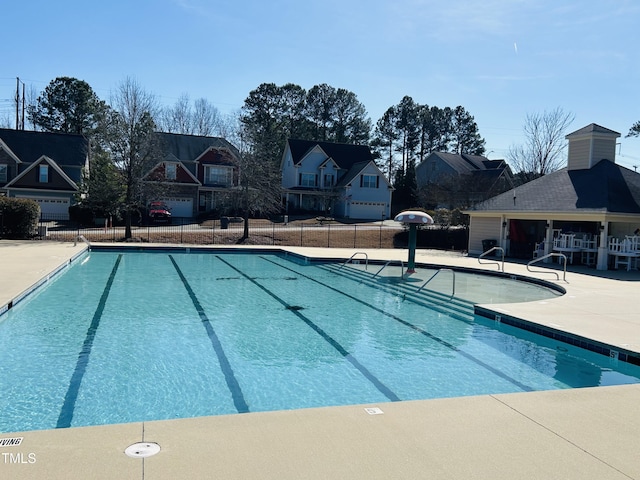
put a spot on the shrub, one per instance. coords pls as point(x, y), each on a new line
point(81, 214)
point(437, 237)
point(18, 217)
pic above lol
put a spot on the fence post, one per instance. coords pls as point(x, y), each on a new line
point(328, 234)
point(301, 225)
point(273, 233)
point(355, 230)
point(181, 230)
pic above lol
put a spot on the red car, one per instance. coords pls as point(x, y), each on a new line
point(159, 212)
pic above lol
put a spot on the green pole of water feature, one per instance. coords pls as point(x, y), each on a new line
point(413, 234)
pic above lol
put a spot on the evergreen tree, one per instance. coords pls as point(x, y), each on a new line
point(102, 191)
point(351, 124)
point(67, 105)
point(321, 102)
point(465, 136)
point(385, 136)
point(262, 122)
point(407, 126)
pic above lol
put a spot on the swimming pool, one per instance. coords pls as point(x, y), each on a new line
point(122, 337)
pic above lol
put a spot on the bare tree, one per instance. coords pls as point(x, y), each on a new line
point(128, 137)
point(544, 147)
point(201, 118)
point(206, 118)
point(259, 189)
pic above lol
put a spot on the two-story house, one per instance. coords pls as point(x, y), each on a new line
point(45, 167)
point(197, 171)
point(457, 179)
point(334, 179)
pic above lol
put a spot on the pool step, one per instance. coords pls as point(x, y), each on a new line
point(429, 298)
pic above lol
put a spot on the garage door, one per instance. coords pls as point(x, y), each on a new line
point(53, 208)
point(180, 207)
point(367, 210)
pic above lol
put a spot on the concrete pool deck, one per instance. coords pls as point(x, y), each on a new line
point(589, 433)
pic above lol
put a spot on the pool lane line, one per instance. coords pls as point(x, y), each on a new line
point(66, 413)
point(382, 388)
point(232, 383)
point(427, 334)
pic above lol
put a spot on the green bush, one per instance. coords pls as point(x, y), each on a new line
point(81, 214)
point(438, 237)
point(18, 218)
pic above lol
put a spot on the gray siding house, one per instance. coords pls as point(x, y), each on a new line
point(44, 167)
point(335, 179)
point(451, 180)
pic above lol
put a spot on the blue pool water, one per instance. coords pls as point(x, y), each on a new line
point(122, 337)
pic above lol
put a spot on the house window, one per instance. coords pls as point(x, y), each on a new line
point(308, 180)
point(44, 174)
point(369, 181)
point(219, 176)
point(329, 180)
point(171, 171)
point(3, 173)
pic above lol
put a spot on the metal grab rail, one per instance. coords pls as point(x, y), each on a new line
point(549, 255)
point(490, 263)
point(453, 285)
point(81, 237)
point(387, 264)
point(366, 259)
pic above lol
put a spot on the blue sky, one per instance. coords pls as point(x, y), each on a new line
point(499, 59)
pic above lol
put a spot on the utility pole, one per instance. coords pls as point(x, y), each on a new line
point(23, 95)
point(19, 123)
point(17, 103)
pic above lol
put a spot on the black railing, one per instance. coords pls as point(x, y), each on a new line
point(228, 232)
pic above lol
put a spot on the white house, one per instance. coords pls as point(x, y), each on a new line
point(334, 179)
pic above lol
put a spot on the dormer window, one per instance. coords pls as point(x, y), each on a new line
point(329, 180)
point(43, 174)
point(171, 171)
point(308, 180)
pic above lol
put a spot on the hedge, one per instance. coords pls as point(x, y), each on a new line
point(18, 218)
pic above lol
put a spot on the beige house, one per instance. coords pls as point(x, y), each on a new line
point(592, 198)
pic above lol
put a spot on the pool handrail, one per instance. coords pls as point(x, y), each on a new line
point(491, 263)
point(350, 259)
point(549, 255)
point(82, 238)
point(453, 285)
point(387, 264)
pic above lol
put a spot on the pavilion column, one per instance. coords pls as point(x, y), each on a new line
point(602, 263)
point(548, 240)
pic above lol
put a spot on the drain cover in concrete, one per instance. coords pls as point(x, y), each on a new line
point(142, 449)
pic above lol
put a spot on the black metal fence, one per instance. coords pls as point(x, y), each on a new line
point(308, 233)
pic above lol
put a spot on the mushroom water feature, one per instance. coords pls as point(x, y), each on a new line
point(413, 218)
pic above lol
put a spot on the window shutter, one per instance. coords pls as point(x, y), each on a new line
point(361, 180)
point(315, 179)
point(377, 182)
point(299, 179)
